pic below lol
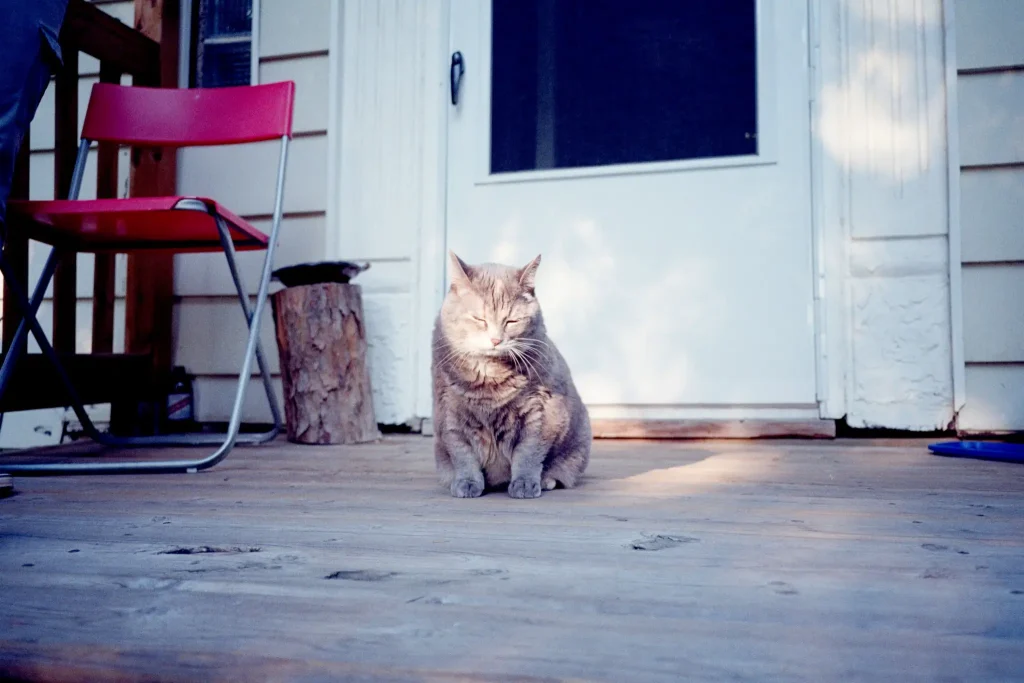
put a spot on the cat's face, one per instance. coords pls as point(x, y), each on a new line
point(490, 309)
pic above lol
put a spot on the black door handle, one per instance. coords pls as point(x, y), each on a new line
point(455, 74)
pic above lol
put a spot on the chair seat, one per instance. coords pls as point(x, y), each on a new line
point(179, 224)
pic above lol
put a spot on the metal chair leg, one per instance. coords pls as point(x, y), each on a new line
point(30, 308)
point(243, 299)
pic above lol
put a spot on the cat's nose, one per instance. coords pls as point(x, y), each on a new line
point(494, 341)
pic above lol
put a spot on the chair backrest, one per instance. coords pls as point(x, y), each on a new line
point(169, 117)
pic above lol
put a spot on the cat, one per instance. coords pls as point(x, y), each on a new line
point(506, 410)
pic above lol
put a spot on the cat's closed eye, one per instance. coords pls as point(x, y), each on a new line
point(478, 320)
point(511, 322)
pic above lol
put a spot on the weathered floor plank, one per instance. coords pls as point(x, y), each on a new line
point(719, 561)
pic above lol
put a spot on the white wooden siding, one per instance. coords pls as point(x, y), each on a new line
point(991, 118)
point(988, 33)
point(992, 214)
point(995, 401)
point(294, 27)
point(994, 314)
point(990, 90)
point(311, 89)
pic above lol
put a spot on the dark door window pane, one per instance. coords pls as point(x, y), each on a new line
point(578, 83)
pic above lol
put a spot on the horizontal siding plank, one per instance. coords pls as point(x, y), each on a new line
point(243, 177)
point(993, 313)
point(992, 214)
point(206, 275)
point(43, 123)
point(215, 396)
point(86, 262)
point(198, 321)
point(988, 33)
point(311, 88)
point(288, 27)
point(995, 401)
point(83, 331)
point(991, 118)
point(301, 240)
point(41, 175)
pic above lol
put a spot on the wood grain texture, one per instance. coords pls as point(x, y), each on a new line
point(321, 336)
point(704, 561)
point(150, 299)
point(92, 31)
point(712, 429)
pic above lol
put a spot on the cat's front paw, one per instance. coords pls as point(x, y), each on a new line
point(524, 487)
point(467, 488)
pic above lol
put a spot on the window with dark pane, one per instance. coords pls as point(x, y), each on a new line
point(223, 43)
point(582, 83)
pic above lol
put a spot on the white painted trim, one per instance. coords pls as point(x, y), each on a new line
point(432, 242)
point(185, 43)
point(696, 412)
point(746, 160)
point(831, 268)
point(254, 44)
point(335, 47)
point(956, 298)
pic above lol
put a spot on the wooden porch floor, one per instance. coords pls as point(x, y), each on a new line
point(724, 561)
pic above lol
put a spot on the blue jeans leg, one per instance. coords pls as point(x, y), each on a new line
point(29, 58)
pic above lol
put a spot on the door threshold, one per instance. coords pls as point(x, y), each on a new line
point(610, 428)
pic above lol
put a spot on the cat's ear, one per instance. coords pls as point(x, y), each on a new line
point(528, 274)
point(460, 271)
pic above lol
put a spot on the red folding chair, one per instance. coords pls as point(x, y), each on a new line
point(158, 118)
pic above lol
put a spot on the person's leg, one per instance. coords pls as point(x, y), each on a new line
point(29, 53)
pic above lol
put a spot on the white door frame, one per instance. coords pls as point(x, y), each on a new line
point(832, 346)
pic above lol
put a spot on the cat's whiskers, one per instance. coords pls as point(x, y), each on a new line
point(453, 355)
point(523, 353)
point(521, 366)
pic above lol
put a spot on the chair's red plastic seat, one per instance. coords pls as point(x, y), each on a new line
point(132, 224)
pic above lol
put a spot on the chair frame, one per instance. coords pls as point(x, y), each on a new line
point(253, 316)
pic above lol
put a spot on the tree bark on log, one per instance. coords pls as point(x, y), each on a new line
point(326, 378)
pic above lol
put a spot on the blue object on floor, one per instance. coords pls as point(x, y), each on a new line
point(980, 450)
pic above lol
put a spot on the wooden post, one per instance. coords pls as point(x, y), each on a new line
point(150, 302)
point(65, 280)
point(326, 378)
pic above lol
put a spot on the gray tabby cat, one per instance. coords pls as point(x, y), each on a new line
point(505, 406)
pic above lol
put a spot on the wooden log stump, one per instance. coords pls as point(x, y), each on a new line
point(322, 342)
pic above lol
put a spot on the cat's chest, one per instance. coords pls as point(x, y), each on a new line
point(499, 429)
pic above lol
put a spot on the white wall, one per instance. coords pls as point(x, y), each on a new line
point(390, 200)
point(990, 85)
point(294, 45)
point(882, 206)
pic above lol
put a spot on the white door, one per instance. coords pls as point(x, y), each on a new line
point(656, 153)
